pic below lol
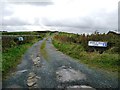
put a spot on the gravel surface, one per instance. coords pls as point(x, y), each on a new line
point(58, 71)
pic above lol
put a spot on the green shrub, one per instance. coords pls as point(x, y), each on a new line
point(108, 60)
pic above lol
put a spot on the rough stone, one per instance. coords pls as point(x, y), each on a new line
point(84, 86)
point(63, 67)
point(19, 72)
point(35, 86)
point(80, 87)
point(31, 82)
point(31, 75)
point(68, 74)
point(36, 61)
point(38, 77)
point(22, 71)
point(31, 79)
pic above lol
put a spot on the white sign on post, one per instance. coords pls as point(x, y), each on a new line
point(97, 44)
point(20, 38)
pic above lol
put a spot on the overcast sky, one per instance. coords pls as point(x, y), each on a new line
point(76, 16)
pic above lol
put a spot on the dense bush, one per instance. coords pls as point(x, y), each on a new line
point(11, 41)
point(7, 42)
point(13, 49)
point(113, 40)
point(77, 47)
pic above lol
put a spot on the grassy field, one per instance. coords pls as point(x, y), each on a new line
point(43, 50)
point(106, 61)
point(12, 57)
point(13, 50)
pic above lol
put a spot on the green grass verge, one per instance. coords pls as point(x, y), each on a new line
point(43, 45)
point(105, 61)
point(12, 57)
point(0, 61)
point(43, 50)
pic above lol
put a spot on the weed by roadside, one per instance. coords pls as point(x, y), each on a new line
point(43, 50)
point(11, 57)
point(105, 61)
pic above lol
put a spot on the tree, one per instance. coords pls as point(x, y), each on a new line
point(96, 32)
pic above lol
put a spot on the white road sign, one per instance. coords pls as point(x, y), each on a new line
point(20, 38)
point(97, 44)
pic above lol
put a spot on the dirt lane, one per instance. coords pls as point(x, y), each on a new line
point(55, 70)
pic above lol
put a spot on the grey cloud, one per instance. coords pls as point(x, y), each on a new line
point(30, 2)
point(101, 21)
point(80, 25)
point(79, 30)
point(83, 23)
point(26, 0)
point(6, 12)
point(33, 3)
point(73, 22)
point(119, 16)
point(13, 28)
point(41, 3)
point(14, 22)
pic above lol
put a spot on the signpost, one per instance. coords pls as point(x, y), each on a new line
point(97, 44)
point(20, 38)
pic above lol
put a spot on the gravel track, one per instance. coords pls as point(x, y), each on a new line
point(58, 71)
